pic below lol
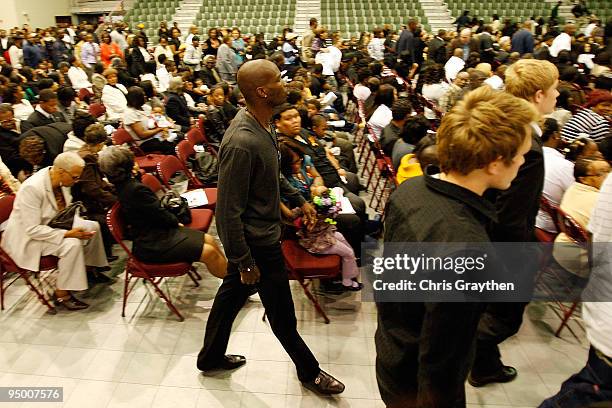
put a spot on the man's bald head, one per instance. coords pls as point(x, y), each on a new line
point(254, 75)
point(458, 52)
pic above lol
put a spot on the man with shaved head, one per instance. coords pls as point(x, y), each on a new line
point(249, 226)
point(563, 41)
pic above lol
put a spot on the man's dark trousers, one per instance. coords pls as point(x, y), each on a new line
point(275, 295)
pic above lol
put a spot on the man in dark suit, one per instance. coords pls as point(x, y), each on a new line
point(517, 207)
point(406, 43)
point(466, 42)
point(437, 48)
point(45, 112)
point(522, 40)
point(209, 74)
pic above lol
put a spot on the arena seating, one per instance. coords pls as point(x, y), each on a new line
point(252, 16)
point(151, 13)
point(601, 8)
point(517, 10)
point(355, 16)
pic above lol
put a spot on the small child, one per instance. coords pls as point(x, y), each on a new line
point(325, 240)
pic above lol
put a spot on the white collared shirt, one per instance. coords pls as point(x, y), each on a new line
point(43, 112)
point(561, 42)
point(558, 177)
point(598, 315)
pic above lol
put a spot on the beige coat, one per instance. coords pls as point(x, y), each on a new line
point(27, 231)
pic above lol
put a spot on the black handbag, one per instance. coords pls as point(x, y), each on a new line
point(178, 206)
point(65, 218)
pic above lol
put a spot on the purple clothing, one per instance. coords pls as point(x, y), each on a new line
point(90, 52)
point(344, 250)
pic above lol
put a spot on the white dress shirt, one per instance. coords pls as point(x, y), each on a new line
point(453, 66)
point(78, 78)
point(598, 315)
point(495, 82)
point(381, 117)
point(558, 177)
point(561, 42)
point(113, 98)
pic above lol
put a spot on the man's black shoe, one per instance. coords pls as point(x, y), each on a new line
point(229, 362)
point(324, 384)
point(506, 374)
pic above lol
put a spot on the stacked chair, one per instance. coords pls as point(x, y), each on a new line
point(355, 16)
point(151, 13)
point(251, 16)
point(516, 10)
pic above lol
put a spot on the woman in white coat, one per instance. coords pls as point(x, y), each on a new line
point(113, 95)
point(28, 237)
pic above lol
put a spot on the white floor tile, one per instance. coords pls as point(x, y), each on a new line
point(350, 350)
point(357, 379)
point(174, 397)
point(260, 400)
point(182, 372)
point(146, 368)
point(265, 346)
point(91, 394)
point(219, 399)
point(108, 365)
point(35, 359)
point(133, 396)
point(266, 377)
point(71, 362)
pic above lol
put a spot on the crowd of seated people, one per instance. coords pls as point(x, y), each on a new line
point(400, 83)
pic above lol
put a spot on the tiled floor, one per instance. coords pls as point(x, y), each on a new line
point(147, 359)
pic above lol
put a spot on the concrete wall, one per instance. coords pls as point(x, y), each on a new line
point(8, 17)
point(39, 13)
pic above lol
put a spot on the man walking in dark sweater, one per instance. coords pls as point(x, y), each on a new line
point(249, 225)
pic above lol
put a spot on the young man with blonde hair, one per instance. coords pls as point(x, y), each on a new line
point(423, 348)
point(517, 207)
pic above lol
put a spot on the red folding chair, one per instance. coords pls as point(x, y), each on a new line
point(136, 269)
point(170, 165)
point(201, 218)
point(7, 265)
point(147, 162)
point(304, 267)
point(580, 237)
point(196, 137)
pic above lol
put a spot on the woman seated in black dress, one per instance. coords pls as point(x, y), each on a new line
point(156, 234)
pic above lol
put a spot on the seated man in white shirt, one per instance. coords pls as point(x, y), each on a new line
point(558, 173)
point(77, 75)
point(578, 202)
point(454, 65)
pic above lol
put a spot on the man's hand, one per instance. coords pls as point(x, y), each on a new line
point(310, 215)
point(79, 233)
point(250, 276)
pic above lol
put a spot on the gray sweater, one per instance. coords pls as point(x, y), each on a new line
point(248, 197)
